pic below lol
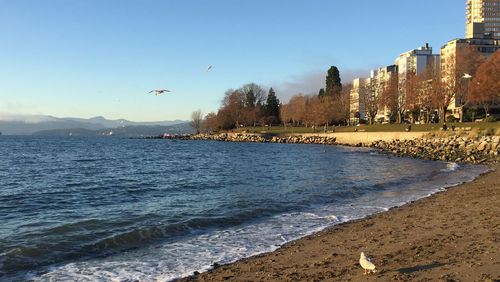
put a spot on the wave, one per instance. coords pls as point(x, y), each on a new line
point(172, 259)
point(82, 240)
point(85, 160)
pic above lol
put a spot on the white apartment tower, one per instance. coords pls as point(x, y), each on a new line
point(483, 11)
point(415, 61)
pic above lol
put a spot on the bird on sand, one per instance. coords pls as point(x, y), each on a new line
point(366, 264)
point(160, 91)
point(208, 68)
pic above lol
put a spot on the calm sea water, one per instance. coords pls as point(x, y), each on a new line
point(133, 209)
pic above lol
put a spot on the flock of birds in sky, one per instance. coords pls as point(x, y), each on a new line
point(161, 91)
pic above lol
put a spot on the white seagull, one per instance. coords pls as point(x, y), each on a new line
point(161, 91)
point(366, 264)
point(466, 75)
point(208, 68)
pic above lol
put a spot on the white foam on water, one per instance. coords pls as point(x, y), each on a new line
point(199, 252)
point(30, 276)
point(163, 262)
point(450, 166)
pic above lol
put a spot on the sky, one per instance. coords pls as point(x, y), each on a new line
point(87, 58)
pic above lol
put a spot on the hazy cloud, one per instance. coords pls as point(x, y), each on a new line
point(349, 75)
point(311, 82)
point(306, 83)
point(25, 118)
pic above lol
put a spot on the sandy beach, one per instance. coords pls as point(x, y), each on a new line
point(449, 236)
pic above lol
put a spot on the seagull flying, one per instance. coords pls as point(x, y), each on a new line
point(208, 68)
point(466, 75)
point(366, 264)
point(161, 91)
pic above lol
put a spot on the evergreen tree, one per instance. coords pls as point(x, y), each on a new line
point(250, 99)
point(273, 105)
point(333, 84)
point(321, 92)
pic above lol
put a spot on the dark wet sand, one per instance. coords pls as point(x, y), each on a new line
point(449, 236)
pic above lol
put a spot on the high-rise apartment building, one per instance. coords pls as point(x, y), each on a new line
point(368, 90)
point(483, 11)
point(415, 61)
point(483, 41)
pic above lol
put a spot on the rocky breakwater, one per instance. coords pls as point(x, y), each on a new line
point(263, 138)
point(454, 148)
point(477, 150)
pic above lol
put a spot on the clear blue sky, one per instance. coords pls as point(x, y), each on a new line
point(85, 58)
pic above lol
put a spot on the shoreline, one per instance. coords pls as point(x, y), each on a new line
point(453, 234)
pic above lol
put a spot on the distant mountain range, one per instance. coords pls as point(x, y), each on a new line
point(130, 131)
point(49, 125)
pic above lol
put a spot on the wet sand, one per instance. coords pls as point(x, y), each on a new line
point(449, 236)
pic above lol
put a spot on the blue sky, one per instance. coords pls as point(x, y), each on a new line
point(88, 58)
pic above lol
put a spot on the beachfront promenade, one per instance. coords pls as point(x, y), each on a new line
point(354, 138)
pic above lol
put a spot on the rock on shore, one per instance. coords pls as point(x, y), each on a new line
point(258, 138)
point(477, 150)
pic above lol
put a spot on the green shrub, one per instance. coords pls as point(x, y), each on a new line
point(473, 113)
point(490, 119)
point(451, 119)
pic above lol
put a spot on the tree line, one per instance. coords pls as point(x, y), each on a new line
point(466, 77)
point(250, 105)
point(330, 106)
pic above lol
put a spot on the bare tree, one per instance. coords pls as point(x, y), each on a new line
point(196, 121)
point(318, 111)
point(297, 107)
point(210, 123)
point(342, 105)
point(369, 99)
point(285, 113)
point(440, 92)
point(389, 97)
point(253, 94)
point(440, 98)
point(466, 60)
point(419, 92)
point(325, 110)
point(424, 85)
point(404, 86)
point(485, 86)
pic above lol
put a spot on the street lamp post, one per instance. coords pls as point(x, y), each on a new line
point(466, 76)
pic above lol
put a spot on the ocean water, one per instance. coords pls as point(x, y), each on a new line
point(108, 208)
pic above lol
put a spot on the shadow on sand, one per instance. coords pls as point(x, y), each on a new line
point(422, 267)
